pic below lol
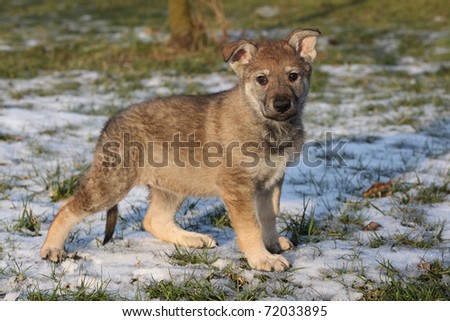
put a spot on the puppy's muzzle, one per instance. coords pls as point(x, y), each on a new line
point(281, 109)
point(282, 104)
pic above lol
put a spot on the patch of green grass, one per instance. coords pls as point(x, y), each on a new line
point(134, 218)
point(423, 241)
point(432, 285)
point(432, 194)
point(115, 11)
point(39, 148)
point(300, 228)
point(219, 217)
point(420, 194)
point(9, 182)
point(185, 256)
point(412, 216)
point(319, 81)
point(410, 117)
point(426, 238)
point(49, 132)
point(15, 270)
point(352, 218)
point(104, 110)
point(220, 285)
point(134, 60)
point(27, 223)
point(62, 189)
point(85, 291)
point(59, 183)
point(269, 285)
point(375, 14)
point(375, 108)
point(9, 138)
point(348, 219)
point(4, 186)
point(67, 86)
point(376, 240)
point(281, 287)
point(194, 88)
point(16, 94)
point(190, 289)
point(41, 92)
point(70, 127)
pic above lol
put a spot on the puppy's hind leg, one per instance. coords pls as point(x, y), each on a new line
point(160, 221)
point(95, 193)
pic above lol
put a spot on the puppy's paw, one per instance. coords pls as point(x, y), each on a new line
point(285, 244)
point(196, 240)
point(279, 245)
point(269, 263)
point(53, 254)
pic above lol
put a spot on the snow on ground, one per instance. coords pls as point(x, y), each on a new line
point(41, 132)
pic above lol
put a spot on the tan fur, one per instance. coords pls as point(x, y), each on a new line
point(265, 114)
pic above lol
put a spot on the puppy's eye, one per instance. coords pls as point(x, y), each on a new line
point(262, 80)
point(293, 76)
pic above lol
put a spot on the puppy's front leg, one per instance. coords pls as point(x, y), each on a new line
point(268, 201)
point(240, 202)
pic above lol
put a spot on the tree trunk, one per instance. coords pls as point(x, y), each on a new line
point(181, 26)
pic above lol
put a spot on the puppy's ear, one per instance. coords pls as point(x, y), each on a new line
point(239, 54)
point(304, 42)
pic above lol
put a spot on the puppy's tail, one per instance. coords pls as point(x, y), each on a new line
point(111, 220)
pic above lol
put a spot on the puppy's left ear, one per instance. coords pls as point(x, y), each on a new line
point(239, 54)
point(304, 43)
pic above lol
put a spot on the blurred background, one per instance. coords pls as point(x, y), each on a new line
point(132, 38)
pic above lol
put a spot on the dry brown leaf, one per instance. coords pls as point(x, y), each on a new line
point(239, 279)
point(379, 190)
point(425, 266)
point(372, 226)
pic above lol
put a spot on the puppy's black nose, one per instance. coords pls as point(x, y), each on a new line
point(281, 104)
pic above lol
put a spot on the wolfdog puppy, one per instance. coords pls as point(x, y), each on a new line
point(234, 144)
